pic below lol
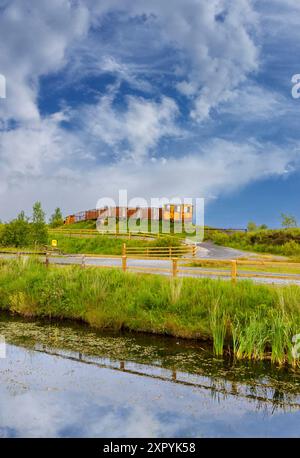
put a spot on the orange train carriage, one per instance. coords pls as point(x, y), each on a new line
point(169, 212)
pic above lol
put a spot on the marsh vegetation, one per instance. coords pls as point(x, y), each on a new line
point(245, 320)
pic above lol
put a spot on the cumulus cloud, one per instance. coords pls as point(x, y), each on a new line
point(165, 52)
point(34, 39)
point(214, 42)
point(134, 131)
point(219, 167)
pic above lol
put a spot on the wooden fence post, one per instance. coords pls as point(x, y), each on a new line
point(47, 260)
point(174, 267)
point(194, 250)
point(124, 263)
point(83, 262)
point(233, 270)
point(170, 252)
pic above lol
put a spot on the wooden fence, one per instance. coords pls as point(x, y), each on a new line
point(177, 266)
point(214, 268)
point(159, 252)
point(94, 232)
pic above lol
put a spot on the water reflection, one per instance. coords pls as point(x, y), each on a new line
point(62, 381)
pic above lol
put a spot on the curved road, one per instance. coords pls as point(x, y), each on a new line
point(208, 250)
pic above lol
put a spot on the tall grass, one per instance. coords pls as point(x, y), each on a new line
point(253, 321)
point(218, 324)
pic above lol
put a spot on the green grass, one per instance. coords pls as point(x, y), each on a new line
point(92, 225)
point(104, 244)
point(278, 269)
point(79, 225)
point(284, 242)
point(99, 244)
point(247, 320)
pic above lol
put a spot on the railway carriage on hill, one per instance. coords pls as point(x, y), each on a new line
point(169, 212)
point(177, 212)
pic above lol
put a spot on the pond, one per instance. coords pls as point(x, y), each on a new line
point(66, 380)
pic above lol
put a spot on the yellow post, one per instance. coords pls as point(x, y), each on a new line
point(170, 252)
point(174, 267)
point(124, 263)
point(233, 270)
point(124, 249)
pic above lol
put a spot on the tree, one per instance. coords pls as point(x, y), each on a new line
point(288, 221)
point(251, 226)
point(56, 219)
point(39, 231)
point(22, 217)
point(17, 232)
point(263, 227)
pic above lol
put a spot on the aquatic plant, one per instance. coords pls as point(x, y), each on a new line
point(218, 324)
point(253, 321)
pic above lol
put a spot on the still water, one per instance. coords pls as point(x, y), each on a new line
point(70, 381)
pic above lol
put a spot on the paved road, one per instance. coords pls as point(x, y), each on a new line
point(205, 250)
point(208, 250)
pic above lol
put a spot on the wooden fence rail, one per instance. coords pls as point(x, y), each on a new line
point(159, 252)
point(95, 232)
point(173, 265)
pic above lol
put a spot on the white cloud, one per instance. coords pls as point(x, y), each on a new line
point(214, 42)
point(132, 131)
point(219, 167)
point(34, 38)
point(252, 102)
point(208, 49)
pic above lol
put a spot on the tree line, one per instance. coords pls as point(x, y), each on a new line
point(30, 231)
point(287, 222)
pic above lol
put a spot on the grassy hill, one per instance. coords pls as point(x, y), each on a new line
point(105, 244)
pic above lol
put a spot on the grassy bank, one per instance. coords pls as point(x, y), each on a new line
point(248, 320)
point(285, 242)
point(149, 228)
point(100, 244)
point(105, 244)
point(276, 267)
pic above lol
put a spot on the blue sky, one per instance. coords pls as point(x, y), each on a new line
point(185, 98)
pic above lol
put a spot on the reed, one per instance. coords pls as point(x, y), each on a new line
point(218, 325)
point(254, 321)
